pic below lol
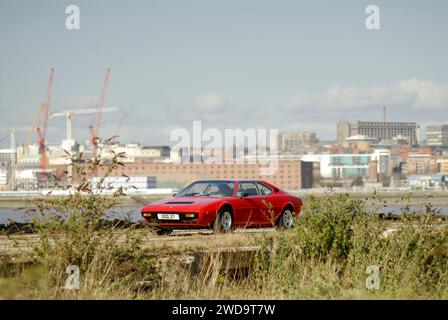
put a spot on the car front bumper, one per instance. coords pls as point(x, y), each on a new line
point(185, 220)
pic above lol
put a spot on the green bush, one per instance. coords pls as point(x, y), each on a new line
point(336, 238)
point(72, 232)
point(326, 255)
point(325, 227)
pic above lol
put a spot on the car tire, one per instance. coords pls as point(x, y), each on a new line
point(286, 220)
point(164, 232)
point(223, 222)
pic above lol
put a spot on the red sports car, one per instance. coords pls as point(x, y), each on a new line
point(223, 205)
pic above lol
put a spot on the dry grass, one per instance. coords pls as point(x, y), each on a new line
point(324, 257)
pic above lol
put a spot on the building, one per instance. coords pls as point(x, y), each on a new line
point(426, 182)
point(344, 130)
point(442, 166)
point(291, 174)
point(4, 176)
point(419, 163)
point(437, 136)
point(360, 138)
point(358, 144)
point(115, 183)
point(7, 156)
point(291, 141)
point(28, 156)
point(132, 151)
point(383, 160)
point(347, 166)
point(57, 155)
point(27, 179)
point(380, 130)
point(156, 152)
point(373, 171)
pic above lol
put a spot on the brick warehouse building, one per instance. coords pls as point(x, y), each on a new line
point(291, 174)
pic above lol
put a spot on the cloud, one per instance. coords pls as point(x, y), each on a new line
point(421, 101)
point(213, 103)
point(413, 93)
point(407, 100)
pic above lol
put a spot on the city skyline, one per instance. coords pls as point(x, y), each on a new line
point(265, 65)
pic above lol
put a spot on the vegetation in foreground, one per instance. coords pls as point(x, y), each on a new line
point(325, 256)
point(337, 250)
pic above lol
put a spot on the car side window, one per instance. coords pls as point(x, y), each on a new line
point(247, 187)
point(221, 189)
point(239, 192)
point(264, 189)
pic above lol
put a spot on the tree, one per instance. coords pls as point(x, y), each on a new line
point(357, 182)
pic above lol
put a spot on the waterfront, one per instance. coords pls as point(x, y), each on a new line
point(19, 215)
point(17, 208)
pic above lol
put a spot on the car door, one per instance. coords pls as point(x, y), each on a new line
point(269, 206)
point(247, 206)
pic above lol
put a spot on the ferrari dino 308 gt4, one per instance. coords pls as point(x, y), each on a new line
point(223, 205)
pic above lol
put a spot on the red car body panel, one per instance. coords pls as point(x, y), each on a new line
point(250, 211)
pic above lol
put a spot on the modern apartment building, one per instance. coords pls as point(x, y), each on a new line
point(344, 166)
point(420, 164)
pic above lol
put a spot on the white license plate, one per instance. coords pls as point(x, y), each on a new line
point(167, 216)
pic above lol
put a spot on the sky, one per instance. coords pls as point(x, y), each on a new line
point(289, 65)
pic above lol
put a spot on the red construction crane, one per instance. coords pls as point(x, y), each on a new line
point(94, 131)
point(43, 132)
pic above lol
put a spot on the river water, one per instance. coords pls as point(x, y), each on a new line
point(133, 213)
point(22, 216)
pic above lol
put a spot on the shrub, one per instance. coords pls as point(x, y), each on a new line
point(325, 227)
point(73, 232)
point(337, 237)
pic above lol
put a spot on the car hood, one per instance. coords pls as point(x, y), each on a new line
point(183, 202)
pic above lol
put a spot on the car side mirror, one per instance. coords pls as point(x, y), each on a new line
point(244, 195)
point(174, 194)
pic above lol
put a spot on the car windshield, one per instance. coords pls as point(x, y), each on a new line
point(208, 189)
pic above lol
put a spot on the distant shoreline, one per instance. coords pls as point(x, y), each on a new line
point(127, 201)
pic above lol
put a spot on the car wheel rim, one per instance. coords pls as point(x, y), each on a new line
point(226, 221)
point(287, 219)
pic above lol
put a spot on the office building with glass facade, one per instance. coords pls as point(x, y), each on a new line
point(343, 166)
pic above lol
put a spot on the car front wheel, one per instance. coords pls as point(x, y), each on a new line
point(223, 221)
point(286, 220)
